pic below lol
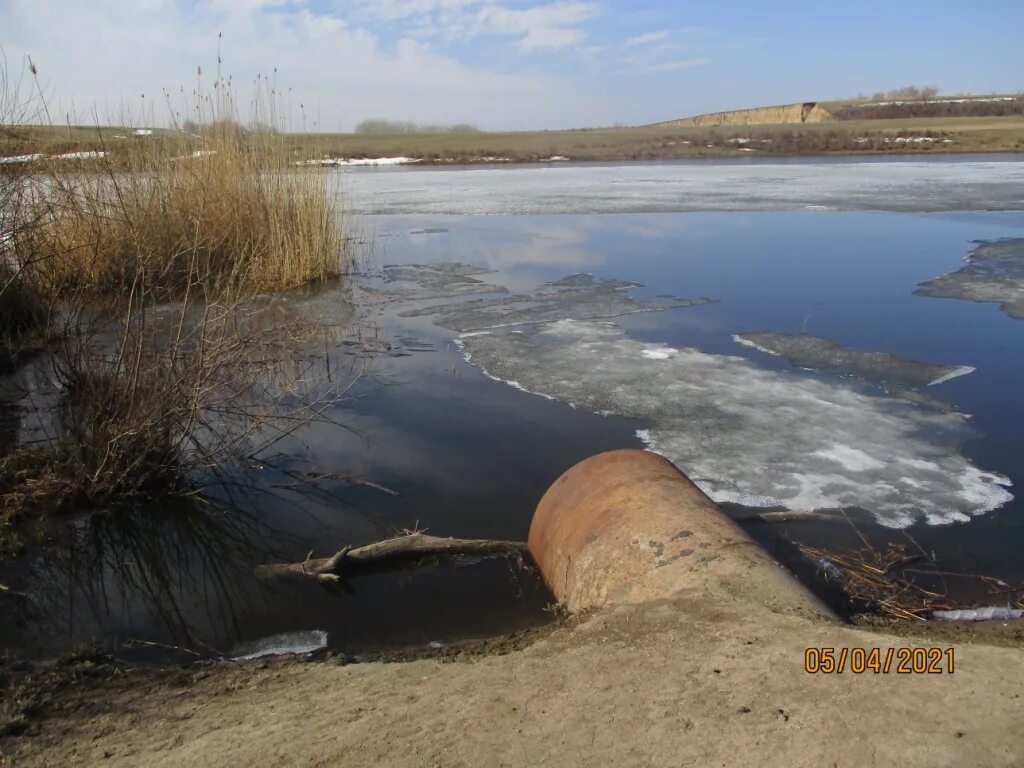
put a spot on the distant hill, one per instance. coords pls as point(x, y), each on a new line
point(859, 109)
point(806, 112)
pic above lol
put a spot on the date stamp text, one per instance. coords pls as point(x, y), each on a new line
point(879, 661)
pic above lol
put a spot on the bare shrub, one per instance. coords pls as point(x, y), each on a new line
point(909, 93)
point(142, 405)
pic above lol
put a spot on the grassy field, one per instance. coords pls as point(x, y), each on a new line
point(647, 143)
point(953, 134)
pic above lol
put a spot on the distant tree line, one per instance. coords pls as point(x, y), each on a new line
point(947, 107)
point(400, 126)
point(908, 93)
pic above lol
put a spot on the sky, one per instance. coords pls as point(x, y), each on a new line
point(503, 64)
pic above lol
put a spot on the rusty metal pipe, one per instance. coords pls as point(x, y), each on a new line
point(627, 526)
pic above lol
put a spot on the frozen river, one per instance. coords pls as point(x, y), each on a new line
point(973, 183)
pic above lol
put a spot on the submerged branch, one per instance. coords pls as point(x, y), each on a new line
point(410, 547)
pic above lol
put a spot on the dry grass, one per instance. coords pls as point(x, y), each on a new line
point(149, 271)
point(232, 211)
point(668, 143)
point(900, 581)
point(969, 134)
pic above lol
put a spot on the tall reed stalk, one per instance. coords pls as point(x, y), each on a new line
point(167, 355)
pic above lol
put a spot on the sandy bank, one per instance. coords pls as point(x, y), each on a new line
point(682, 682)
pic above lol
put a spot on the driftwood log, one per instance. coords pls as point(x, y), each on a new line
point(415, 546)
point(390, 551)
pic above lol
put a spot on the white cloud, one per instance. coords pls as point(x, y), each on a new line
point(547, 25)
point(665, 51)
point(673, 66)
point(512, 21)
point(108, 53)
point(393, 10)
point(551, 37)
point(233, 7)
point(650, 37)
point(422, 60)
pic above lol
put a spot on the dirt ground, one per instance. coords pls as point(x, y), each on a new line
point(671, 683)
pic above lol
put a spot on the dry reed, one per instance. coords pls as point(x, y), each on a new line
point(165, 356)
point(900, 581)
point(232, 211)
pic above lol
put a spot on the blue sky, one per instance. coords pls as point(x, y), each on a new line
point(512, 63)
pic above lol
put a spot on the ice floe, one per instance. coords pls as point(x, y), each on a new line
point(956, 373)
point(994, 272)
point(750, 435)
point(418, 282)
point(903, 185)
point(659, 354)
point(816, 353)
point(581, 296)
point(279, 645)
point(988, 613)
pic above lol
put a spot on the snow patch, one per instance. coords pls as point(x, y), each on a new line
point(360, 161)
point(664, 353)
point(969, 100)
point(81, 156)
point(20, 158)
point(850, 458)
point(84, 155)
point(279, 645)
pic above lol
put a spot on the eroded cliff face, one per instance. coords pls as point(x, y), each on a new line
point(805, 112)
